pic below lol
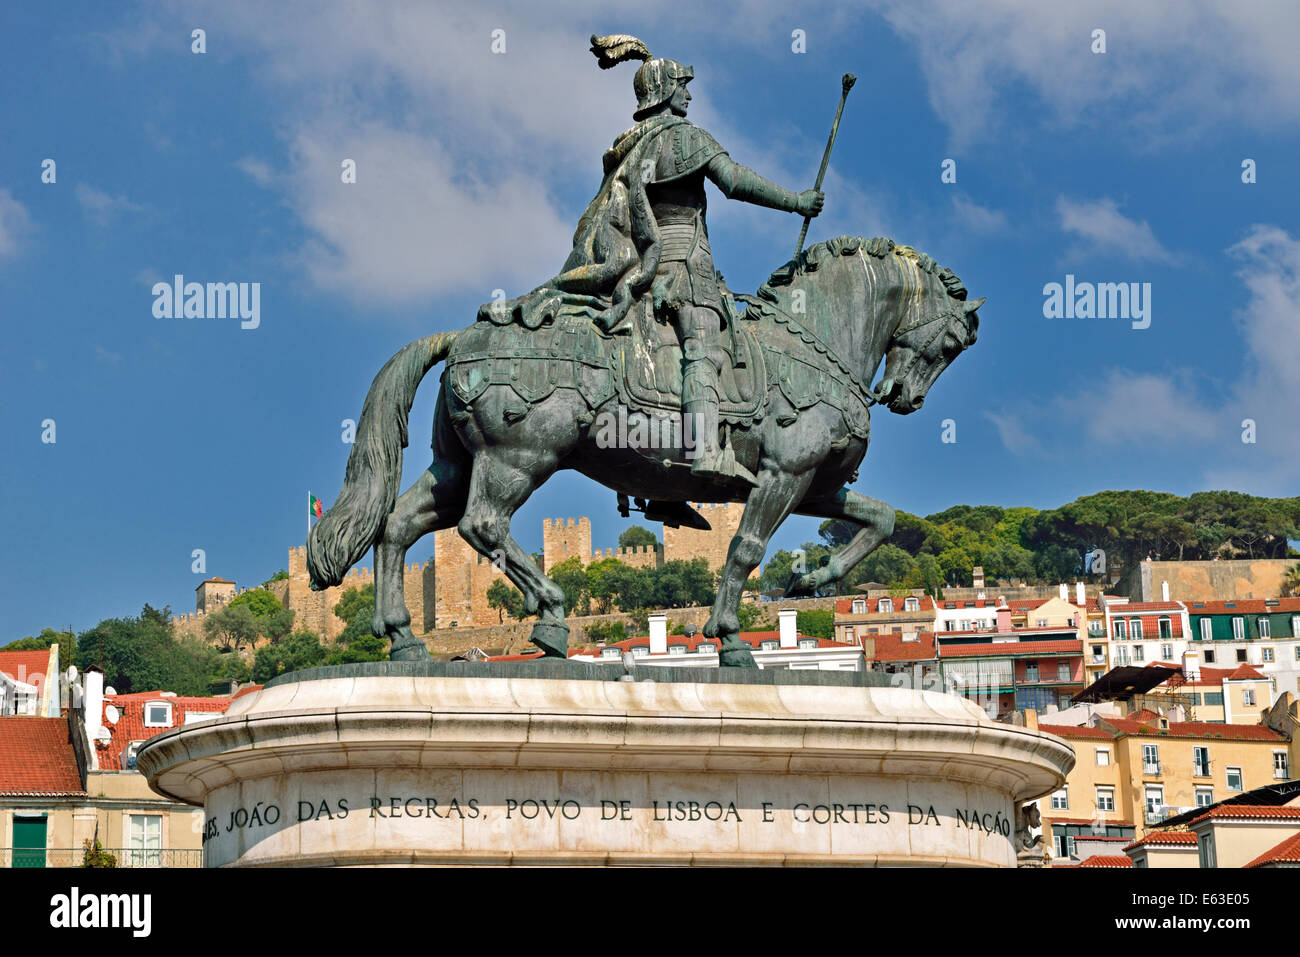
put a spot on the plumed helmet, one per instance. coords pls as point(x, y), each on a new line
point(657, 78)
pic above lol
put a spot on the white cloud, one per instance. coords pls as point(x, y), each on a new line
point(1166, 73)
point(15, 223)
point(101, 208)
point(1103, 228)
point(259, 171)
point(1147, 409)
point(977, 218)
point(1013, 432)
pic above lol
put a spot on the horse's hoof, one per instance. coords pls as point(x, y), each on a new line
point(410, 651)
point(736, 658)
point(552, 637)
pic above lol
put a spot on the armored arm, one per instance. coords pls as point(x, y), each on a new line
point(741, 182)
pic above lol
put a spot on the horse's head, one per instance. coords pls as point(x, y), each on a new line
point(924, 344)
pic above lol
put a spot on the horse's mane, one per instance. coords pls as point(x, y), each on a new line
point(880, 247)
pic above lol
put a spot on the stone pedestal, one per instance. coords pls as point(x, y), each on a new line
point(417, 769)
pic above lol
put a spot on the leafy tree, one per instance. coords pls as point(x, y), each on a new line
point(94, 855)
point(506, 599)
point(279, 576)
point(749, 614)
point(302, 649)
point(1291, 583)
point(231, 627)
point(365, 647)
point(634, 536)
point(612, 583)
point(356, 609)
point(887, 564)
point(66, 640)
point(682, 584)
point(571, 577)
point(817, 622)
point(142, 654)
point(274, 621)
point(231, 667)
point(607, 631)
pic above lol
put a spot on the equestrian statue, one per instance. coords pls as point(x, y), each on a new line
point(639, 368)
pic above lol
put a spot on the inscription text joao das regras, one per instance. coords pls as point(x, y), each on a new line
point(531, 809)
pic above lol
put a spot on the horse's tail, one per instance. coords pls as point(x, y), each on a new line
point(374, 470)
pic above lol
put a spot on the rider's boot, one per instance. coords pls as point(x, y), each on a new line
point(700, 411)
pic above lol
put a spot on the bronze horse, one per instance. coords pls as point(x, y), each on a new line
point(823, 323)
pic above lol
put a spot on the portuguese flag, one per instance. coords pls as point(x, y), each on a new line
point(314, 506)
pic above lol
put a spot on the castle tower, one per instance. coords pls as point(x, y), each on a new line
point(562, 539)
point(687, 543)
point(213, 593)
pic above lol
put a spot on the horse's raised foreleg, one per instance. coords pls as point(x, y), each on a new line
point(876, 519)
point(436, 500)
point(767, 507)
point(500, 482)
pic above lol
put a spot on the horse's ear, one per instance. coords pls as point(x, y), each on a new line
point(970, 307)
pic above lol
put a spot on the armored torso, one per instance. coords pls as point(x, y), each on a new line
point(677, 200)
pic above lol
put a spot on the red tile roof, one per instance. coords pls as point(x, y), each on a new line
point(1019, 648)
point(1212, 677)
point(844, 606)
point(1136, 607)
point(1245, 606)
point(1163, 838)
point(892, 647)
point(1197, 729)
point(1107, 860)
point(1288, 851)
point(1251, 812)
point(24, 666)
point(1070, 731)
point(130, 723)
point(36, 758)
point(1081, 821)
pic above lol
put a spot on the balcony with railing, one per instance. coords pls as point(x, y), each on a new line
point(73, 857)
point(1151, 767)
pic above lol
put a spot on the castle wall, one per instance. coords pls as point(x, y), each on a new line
point(563, 539)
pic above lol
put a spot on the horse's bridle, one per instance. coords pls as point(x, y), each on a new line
point(899, 336)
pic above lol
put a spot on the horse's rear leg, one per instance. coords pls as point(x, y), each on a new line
point(436, 500)
point(765, 509)
point(876, 519)
point(501, 481)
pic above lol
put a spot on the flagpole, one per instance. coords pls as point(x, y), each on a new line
point(308, 515)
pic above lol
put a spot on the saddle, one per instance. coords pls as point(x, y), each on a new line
point(647, 367)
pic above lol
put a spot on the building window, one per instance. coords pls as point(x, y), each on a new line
point(1295, 627)
point(676, 649)
point(1248, 697)
point(640, 651)
point(612, 652)
point(705, 648)
point(157, 714)
point(1204, 797)
point(1135, 628)
point(1297, 652)
point(770, 645)
point(807, 643)
point(1241, 656)
point(1166, 652)
point(1238, 628)
point(1103, 757)
point(1214, 699)
point(1264, 628)
point(911, 604)
point(1201, 762)
point(1209, 656)
point(1234, 779)
point(949, 625)
point(873, 631)
point(1267, 655)
point(1096, 628)
point(1206, 632)
point(1105, 799)
point(1139, 653)
point(1150, 759)
point(1031, 671)
point(885, 605)
point(1062, 671)
point(1155, 800)
point(1042, 622)
point(1281, 769)
point(859, 606)
point(1166, 628)
point(1206, 847)
point(1121, 631)
point(1061, 799)
point(145, 840)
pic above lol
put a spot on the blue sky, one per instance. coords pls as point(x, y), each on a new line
point(473, 167)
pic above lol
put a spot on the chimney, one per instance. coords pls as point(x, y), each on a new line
point(1065, 592)
point(1080, 595)
point(1164, 591)
point(789, 634)
point(1191, 664)
point(1004, 619)
point(658, 634)
point(92, 701)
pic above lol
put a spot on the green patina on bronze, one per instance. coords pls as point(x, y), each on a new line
point(764, 399)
